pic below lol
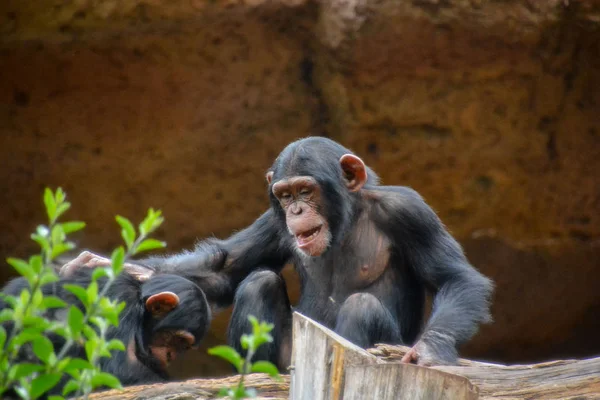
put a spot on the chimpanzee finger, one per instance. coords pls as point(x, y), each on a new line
point(81, 260)
point(410, 357)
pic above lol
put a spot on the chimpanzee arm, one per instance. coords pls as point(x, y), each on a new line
point(461, 293)
point(219, 266)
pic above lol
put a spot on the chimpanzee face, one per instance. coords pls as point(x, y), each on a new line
point(302, 200)
point(178, 319)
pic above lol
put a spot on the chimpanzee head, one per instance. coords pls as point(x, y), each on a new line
point(176, 317)
point(313, 187)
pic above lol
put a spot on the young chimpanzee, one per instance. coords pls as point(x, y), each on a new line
point(164, 316)
point(366, 255)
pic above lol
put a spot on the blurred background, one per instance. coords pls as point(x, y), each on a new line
point(490, 109)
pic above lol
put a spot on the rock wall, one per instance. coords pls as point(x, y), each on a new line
point(488, 109)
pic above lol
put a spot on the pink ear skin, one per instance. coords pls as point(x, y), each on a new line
point(354, 171)
point(269, 177)
point(161, 303)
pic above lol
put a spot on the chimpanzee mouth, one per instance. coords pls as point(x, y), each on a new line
point(305, 238)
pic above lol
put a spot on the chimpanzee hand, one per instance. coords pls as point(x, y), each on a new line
point(90, 260)
point(432, 351)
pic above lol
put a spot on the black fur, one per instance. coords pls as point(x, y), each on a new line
point(422, 256)
point(136, 323)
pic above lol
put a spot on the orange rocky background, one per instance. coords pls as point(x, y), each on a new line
point(490, 109)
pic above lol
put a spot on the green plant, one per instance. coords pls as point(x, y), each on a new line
point(259, 336)
point(26, 315)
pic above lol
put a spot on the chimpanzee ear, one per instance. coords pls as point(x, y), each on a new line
point(269, 177)
point(354, 171)
point(161, 303)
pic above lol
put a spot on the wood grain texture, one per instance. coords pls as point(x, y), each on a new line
point(562, 379)
point(199, 389)
point(319, 360)
point(328, 367)
point(405, 382)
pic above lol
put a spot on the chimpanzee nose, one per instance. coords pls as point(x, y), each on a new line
point(296, 209)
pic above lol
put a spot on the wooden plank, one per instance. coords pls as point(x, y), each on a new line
point(322, 360)
point(319, 359)
point(563, 379)
point(405, 382)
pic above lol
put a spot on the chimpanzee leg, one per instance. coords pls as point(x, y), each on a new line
point(264, 295)
point(364, 321)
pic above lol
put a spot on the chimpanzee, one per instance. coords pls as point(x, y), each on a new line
point(365, 254)
point(164, 316)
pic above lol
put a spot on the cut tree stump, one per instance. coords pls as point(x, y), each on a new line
point(326, 366)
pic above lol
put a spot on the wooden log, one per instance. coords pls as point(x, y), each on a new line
point(326, 366)
point(199, 389)
point(562, 379)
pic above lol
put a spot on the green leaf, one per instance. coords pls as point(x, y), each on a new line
point(56, 398)
point(60, 248)
point(150, 244)
point(60, 195)
point(50, 204)
point(245, 341)
point(152, 221)
point(36, 263)
point(266, 368)
point(72, 226)
point(229, 354)
point(61, 209)
point(89, 332)
point(6, 315)
point(48, 277)
point(127, 231)
point(223, 392)
point(106, 379)
point(25, 336)
point(22, 267)
point(90, 348)
point(75, 319)
point(115, 344)
point(42, 347)
point(42, 241)
point(70, 387)
point(22, 370)
point(79, 292)
point(53, 302)
point(77, 364)
point(2, 337)
point(92, 292)
point(36, 323)
point(101, 323)
point(43, 383)
point(100, 272)
point(117, 258)
point(58, 235)
point(241, 393)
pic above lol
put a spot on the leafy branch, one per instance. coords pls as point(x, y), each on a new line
point(259, 336)
point(28, 324)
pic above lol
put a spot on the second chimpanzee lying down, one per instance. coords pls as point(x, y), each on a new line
point(164, 316)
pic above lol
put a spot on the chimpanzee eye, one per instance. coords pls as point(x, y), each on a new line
point(305, 191)
point(285, 196)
